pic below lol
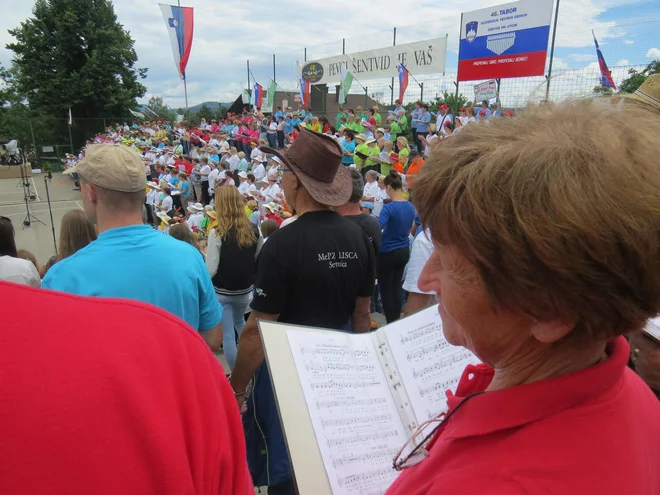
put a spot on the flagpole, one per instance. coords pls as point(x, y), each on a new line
point(552, 52)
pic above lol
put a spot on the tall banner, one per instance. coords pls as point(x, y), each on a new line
point(421, 57)
point(509, 40)
point(305, 92)
point(605, 74)
point(179, 22)
point(403, 81)
point(257, 95)
point(345, 85)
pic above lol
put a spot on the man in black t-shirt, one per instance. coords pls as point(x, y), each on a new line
point(351, 210)
point(317, 271)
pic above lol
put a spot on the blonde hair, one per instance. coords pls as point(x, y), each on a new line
point(403, 140)
point(230, 212)
point(558, 209)
point(76, 232)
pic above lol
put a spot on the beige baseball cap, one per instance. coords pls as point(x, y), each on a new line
point(112, 167)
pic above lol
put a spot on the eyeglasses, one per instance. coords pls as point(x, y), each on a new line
point(419, 452)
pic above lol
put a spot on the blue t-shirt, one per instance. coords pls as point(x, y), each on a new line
point(120, 264)
point(396, 220)
point(185, 189)
point(350, 147)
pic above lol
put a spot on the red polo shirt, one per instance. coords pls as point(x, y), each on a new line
point(111, 397)
point(596, 431)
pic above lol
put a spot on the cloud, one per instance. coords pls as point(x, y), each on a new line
point(622, 63)
point(653, 53)
point(227, 35)
point(582, 57)
point(629, 42)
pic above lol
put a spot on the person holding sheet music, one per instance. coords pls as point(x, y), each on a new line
point(544, 258)
point(317, 271)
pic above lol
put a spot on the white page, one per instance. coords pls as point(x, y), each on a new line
point(653, 327)
point(356, 423)
point(427, 363)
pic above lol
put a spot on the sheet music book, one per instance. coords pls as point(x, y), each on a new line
point(349, 402)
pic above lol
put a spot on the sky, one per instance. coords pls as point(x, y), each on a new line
point(229, 34)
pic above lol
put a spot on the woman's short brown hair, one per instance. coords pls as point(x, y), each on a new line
point(559, 210)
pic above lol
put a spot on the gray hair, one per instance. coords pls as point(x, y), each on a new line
point(373, 174)
point(358, 185)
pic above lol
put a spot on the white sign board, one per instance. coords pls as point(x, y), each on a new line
point(285, 104)
point(47, 149)
point(485, 91)
point(421, 57)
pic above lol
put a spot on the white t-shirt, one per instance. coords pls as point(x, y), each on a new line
point(19, 271)
point(370, 189)
point(233, 162)
point(271, 193)
point(420, 254)
point(381, 195)
point(255, 153)
point(195, 220)
point(166, 205)
point(243, 187)
point(259, 172)
point(213, 176)
point(204, 172)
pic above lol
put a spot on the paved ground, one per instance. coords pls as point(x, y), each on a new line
point(38, 237)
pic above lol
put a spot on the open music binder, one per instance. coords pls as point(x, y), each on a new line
point(349, 402)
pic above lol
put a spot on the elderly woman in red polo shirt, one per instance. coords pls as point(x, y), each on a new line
point(547, 252)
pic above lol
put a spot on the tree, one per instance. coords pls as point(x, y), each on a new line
point(636, 79)
point(75, 54)
point(158, 106)
point(602, 91)
point(205, 113)
point(453, 101)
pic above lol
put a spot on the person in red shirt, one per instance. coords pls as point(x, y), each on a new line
point(113, 397)
point(544, 257)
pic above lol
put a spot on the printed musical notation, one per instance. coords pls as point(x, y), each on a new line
point(355, 420)
point(428, 364)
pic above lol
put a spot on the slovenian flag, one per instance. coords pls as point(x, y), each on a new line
point(179, 22)
point(605, 74)
point(257, 95)
point(305, 90)
point(403, 80)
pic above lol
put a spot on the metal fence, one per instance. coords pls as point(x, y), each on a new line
point(619, 40)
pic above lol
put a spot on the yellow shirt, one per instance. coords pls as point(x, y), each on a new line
point(374, 152)
point(212, 225)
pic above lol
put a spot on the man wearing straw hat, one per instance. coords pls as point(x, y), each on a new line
point(317, 271)
point(113, 184)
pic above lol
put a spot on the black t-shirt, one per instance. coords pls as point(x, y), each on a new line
point(312, 271)
point(370, 226)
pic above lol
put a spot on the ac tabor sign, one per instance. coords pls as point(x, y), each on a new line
point(421, 57)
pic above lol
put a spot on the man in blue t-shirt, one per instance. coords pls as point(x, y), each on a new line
point(118, 264)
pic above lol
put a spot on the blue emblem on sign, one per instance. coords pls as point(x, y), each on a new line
point(471, 31)
point(173, 22)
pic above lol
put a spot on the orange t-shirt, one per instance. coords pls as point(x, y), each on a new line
point(415, 167)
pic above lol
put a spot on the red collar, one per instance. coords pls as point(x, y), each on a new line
point(517, 406)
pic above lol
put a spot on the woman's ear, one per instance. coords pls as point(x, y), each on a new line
point(549, 332)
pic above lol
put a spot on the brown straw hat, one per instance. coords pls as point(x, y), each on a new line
point(316, 161)
point(648, 92)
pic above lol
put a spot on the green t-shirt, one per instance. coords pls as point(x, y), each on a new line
point(360, 148)
point(374, 151)
point(403, 156)
point(403, 122)
point(395, 130)
point(379, 119)
point(359, 128)
point(352, 126)
point(385, 169)
point(339, 116)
